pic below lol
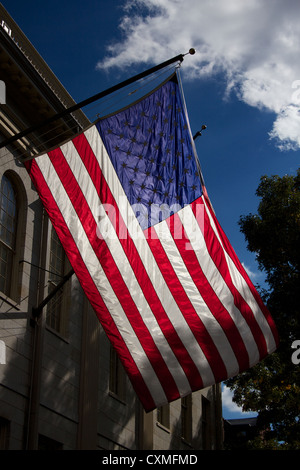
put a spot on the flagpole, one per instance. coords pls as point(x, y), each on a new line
point(178, 58)
point(36, 311)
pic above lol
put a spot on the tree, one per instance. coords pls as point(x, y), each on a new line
point(272, 387)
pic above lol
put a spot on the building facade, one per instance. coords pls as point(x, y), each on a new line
point(61, 385)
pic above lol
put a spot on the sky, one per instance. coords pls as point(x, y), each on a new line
point(243, 82)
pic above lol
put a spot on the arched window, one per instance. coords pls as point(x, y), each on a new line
point(8, 232)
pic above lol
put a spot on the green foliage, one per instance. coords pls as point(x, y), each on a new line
point(272, 387)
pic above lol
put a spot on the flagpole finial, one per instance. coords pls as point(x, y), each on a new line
point(192, 51)
point(198, 134)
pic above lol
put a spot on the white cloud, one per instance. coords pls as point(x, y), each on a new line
point(253, 275)
point(255, 43)
point(229, 406)
point(286, 128)
point(227, 402)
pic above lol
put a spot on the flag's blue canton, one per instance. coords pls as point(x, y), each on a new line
point(150, 147)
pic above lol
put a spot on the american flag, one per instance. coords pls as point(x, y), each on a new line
point(128, 202)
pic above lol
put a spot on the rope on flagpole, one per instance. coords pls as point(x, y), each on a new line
point(109, 102)
point(178, 58)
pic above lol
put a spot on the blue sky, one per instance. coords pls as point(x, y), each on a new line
point(243, 82)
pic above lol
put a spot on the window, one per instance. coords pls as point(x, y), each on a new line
point(163, 415)
point(116, 376)
point(186, 418)
point(206, 418)
point(2, 92)
point(56, 317)
point(4, 433)
point(8, 231)
point(45, 443)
